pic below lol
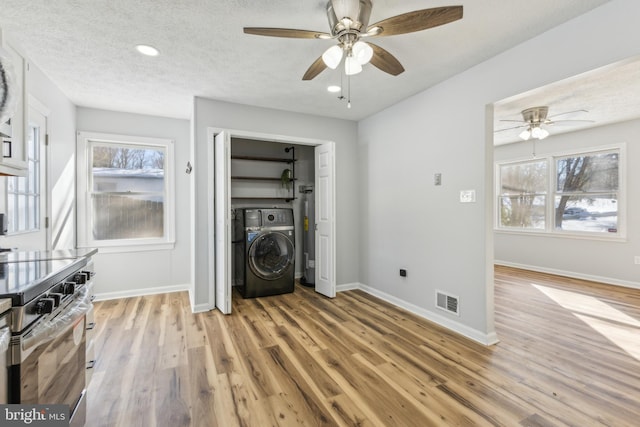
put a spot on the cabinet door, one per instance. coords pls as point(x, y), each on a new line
point(13, 159)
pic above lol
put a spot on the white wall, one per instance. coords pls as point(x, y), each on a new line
point(137, 273)
point(61, 124)
point(218, 114)
point(410, 223)
point(607, 261)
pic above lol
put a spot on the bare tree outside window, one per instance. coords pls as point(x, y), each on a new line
point(586, 188)
point(523, 190)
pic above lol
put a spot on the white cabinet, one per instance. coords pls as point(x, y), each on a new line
point(13, 160)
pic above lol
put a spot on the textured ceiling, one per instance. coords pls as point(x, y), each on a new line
point(599, 97)
point(87, 49)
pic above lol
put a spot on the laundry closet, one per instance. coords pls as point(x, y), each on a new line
point(272, 204)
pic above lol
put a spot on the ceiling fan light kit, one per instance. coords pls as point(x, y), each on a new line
point(534, 131)
point(362, 52)
point(332, 57)
point(351, 66)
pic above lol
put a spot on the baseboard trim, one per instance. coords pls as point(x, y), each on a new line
point(104, 296)
point(571, 274)
point(201, 308)
point(348, 287)
point(457, 327)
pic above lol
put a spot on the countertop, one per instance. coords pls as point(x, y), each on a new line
point(23, 256)
point(5, 304)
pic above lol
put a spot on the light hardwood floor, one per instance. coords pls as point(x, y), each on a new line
point(569, 355)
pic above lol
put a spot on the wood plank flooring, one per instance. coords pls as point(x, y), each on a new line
point(569, 355)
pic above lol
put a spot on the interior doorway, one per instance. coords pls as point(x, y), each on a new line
point(266, 194)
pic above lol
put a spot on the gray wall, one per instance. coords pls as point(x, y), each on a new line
point(141, 272)
point(409, 222)
point(222, 115)
point(607, 261)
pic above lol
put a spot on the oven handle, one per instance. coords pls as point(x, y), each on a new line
point(48, 330)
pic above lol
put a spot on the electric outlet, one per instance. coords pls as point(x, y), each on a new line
point(637, 259)
point(467, 196)
point(403, 272)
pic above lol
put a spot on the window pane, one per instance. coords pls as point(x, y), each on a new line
point(597, 213)
point(524, 178)
point(22, 185)
point(22, 218)
point(33, 137)
point(31, 218)
point(589, 173)
point(127, 217)
point(527, 211)
point(120, 169)
point(32, 177)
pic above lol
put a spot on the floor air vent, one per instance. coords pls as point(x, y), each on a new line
point(447, 303)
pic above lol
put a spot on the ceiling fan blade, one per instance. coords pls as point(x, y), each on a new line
point(286, 32)
point(418, 20)
point(568, 122)
point(316, 68)
point(567, 112)
point(515, 127)
point(385, 61)
point(513, 121)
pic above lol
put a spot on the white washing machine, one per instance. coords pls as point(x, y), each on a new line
point(264, 251)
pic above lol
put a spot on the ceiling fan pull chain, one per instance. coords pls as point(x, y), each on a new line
point(348, 91)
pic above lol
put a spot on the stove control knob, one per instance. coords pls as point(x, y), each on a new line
point(88, 274)
point(68, 288)
point(45, 305)
point(56, 298)
point(80, 278)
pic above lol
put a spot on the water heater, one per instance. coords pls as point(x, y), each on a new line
point(308, 235)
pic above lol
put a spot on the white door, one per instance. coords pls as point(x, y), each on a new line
point(325, 219)
point(222, 163)
point(27, 209)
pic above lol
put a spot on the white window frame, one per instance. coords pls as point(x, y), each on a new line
point(85, 183)
point(550, 230)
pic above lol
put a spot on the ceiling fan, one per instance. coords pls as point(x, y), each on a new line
point(349, 23)
point(535, 117)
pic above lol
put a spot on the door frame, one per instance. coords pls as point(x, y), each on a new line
point(39, 108)
point(261, 136)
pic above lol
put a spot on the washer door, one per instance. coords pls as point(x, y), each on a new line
point(271, 255)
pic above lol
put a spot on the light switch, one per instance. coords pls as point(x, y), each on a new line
point(437, 179)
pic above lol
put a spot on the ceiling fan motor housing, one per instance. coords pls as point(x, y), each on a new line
point(535, 115)
point(350, 16)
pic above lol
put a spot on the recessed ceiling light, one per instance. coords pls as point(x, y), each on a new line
point(147, 50)
point(333, 89)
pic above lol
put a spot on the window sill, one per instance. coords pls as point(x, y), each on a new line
point(116, 249)
point(564, 235)
point(21, 233)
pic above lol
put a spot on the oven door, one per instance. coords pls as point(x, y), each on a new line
point(5, 337)
point(48, 361)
